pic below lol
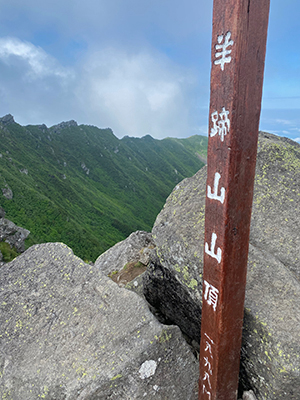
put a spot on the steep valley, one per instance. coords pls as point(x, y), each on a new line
point(82, 186)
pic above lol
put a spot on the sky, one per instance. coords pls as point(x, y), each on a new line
point(139, 67)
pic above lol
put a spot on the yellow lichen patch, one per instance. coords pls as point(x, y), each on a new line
point(81, 370)
point(186, 275)
point(116, 377)
point(46, 390)
point(164, 337)
point(75, 312)
point(19, 324)
point(267, 354)
point(177, 268)
point(193, 284)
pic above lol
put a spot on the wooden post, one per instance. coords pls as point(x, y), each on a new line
point(238, 54)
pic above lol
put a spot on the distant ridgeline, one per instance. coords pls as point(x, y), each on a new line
point(83, 186)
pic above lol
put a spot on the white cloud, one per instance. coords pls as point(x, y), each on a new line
point(39, 63)
point(297, 139)
point(133, 93)
point(283, 121)
point(132, 88)
point(34, 87)
point(136, 93)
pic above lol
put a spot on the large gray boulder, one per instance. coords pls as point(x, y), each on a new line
point(69, 332)
point(173, 281)
point(136, 248)
point(13, 234)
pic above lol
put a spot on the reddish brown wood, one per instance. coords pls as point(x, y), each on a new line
point(236, 90)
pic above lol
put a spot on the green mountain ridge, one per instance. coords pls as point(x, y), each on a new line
point(83, 186)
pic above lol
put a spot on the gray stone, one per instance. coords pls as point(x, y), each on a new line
point(136, 285)
point(136, 248)
point(43, 127)
point(63, 125)
point(172, 299)
point(7, 120)
point(7, 228)
point(7, 193)
point(271, 333)
point(69, 332)
point(13, 234)
point(249, 395)
point(18, 239)
point(173, 282)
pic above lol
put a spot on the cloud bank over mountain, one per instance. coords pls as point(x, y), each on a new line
point(138, 67)
point(135, 93)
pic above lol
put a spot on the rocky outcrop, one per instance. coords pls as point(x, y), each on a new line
point(12, 234)
point(69, 332)
point(85, 168)
point(7, 193)
point(59, 127)
point(136, 248)
point(7, 120)
point(173, 281)
point(43, 128)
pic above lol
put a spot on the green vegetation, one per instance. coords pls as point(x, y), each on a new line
point(8, 253)
point(195, 144)
point(139, 265)
point(113, 273)
point(82, 186)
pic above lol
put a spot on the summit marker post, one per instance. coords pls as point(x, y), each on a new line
point(238, 55)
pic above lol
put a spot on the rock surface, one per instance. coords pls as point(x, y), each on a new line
point(7, 193)
point(173, 281)
point(7, 120)
point(136, 248)
point(65, 124)
point(13, 234)
point(69, 332)
point(249, 395)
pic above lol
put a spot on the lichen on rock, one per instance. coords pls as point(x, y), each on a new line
point(173, 282)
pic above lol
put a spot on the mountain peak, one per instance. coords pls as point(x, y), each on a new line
point(57, 128)
point(7, 120)
point(147, 137)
